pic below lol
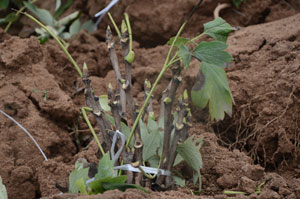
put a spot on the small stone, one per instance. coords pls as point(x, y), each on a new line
point(247, 185)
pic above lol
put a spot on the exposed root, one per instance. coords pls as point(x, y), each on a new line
point(220, 7)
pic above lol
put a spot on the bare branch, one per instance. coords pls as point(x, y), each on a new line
point(115, 63)
point(93, 102)
point(168, 118)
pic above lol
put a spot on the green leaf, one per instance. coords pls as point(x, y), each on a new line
point(58, 4)
point(78, 173)
point(184, 53)
point(66, 20)
point(103, 99)
point(9, 18)
point(89, 26)
point(3, 192)
point(97, 185)
point(218, 29)
point(180, 41)
point(179, 181)
point(150, 137)
point(237, 3)
point(190, 152)
point(154, 161)
point(60, 9)
point(75, 27)
point(212, 87)
point(178, 160)
point(4, 4)
point(213, 53)
point(105, 168)
point(43, 39)
point(81, 186)
point(43, 15)
point(122, 186)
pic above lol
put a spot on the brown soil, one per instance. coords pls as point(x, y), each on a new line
point(261, 142)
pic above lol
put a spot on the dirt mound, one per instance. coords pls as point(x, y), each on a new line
point(32, 95)
point(265, 84)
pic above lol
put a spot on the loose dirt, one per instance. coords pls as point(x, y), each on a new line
point(260, 143)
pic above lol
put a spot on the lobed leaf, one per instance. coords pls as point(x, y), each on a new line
point(212, 87)
point(185, 54)
point(213, 53)
point(218, 29)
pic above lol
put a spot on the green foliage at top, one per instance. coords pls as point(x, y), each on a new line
point(211, 84)
point(212, 53)
point(3, 193)
point(237, 3)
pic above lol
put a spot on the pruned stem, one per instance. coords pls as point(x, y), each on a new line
point(93, 102)
point(114, 102)
point(168, 118)
point(181, 131)
point(114, 61)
